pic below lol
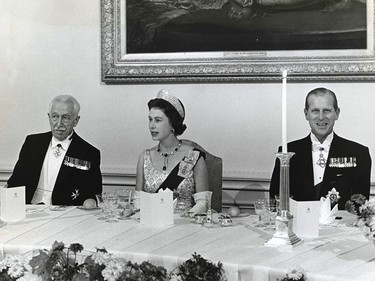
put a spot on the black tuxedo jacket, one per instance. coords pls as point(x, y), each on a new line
point(73, 185)
point(346, 180)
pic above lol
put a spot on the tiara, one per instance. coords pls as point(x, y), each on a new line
point(165, 95)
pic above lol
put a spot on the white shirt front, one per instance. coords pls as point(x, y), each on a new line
point(315, 148)
point(50, 170)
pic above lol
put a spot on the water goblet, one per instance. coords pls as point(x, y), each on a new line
point(100, 198)
point(270, 208)
point(111, 201)
point(259, 210)
point(125, 197)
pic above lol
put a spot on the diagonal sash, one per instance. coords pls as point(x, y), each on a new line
point(172, 181)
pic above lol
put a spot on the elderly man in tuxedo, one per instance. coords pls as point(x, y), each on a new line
point(323, 160)
point(58, 167)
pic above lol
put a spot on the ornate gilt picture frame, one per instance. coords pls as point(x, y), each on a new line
point(168, 62)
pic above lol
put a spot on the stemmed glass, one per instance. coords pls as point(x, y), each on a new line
point(125, 197)
point(209, 222)
point(270, 208)
point(111, 202)
point(259, 210)
point(100, 198)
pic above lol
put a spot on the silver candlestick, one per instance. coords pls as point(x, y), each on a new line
point(284, 235)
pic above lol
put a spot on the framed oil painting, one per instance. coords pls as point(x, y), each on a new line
point(172, 41)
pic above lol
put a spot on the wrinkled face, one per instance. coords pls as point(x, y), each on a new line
point(321, 115)
point(62, 120)
point(159, 124)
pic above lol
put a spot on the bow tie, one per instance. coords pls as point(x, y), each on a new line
point(320, 147)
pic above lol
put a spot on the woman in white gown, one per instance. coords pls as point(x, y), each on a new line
point(172, 164)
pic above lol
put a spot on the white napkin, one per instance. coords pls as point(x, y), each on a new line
point(327, 215)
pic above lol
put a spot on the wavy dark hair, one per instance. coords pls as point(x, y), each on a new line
point(172, 114)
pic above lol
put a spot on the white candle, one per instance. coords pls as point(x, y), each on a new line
point(283, 118)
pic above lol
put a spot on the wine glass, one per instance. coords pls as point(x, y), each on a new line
point(259, 210)
point(111, 202)
point(125, 197)
point(100, 198)
point(270, 208)
point(209, 222)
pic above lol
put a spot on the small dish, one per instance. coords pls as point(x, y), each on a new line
point(86, 209)
point(58, 208)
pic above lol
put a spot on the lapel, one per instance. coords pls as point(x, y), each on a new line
point(302, 172)
point(41, 149)
point(72, 150)
point(74, 145)
point(306, 156)
point(67, 178)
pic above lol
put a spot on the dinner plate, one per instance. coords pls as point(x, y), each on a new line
point(86, 209)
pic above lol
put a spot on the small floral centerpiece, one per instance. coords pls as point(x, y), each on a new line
point(103, 266)
point(365, 211)
point(366, 220)
point(295, 274)
point(198, 268)
point(59, 263)
point(353, 205)
point(13, 268)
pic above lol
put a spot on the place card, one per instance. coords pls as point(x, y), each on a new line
point(156, 209)
point(305, 217)
point(12, 203)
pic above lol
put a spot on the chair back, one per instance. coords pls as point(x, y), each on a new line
point(215, 175)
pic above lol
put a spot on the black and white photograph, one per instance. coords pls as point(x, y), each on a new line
point(187, 140)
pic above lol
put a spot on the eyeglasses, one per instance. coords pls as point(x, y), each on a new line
point(64, 118)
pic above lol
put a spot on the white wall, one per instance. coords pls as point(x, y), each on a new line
point(49, 47)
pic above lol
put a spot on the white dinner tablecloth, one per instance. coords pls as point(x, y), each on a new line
point(340, 253)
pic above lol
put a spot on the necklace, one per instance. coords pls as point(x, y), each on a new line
point(167, 154)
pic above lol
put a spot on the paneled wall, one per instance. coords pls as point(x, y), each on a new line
point(50, 47)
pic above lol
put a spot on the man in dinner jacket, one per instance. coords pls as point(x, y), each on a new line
point(323, 160)
point(58, 167)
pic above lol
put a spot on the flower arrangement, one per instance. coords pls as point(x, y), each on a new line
point(13, 268)
point(103, 266)
point(295, 274)
point(60, 263)
point(353, 205)
point(365, 211)
point(198, 268)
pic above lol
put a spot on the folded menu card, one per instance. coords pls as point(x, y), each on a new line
point(306, 218)
point(327, 215)
point(12, 203)
point(156, 209)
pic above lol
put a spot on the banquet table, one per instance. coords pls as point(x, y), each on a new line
point(341, 252)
